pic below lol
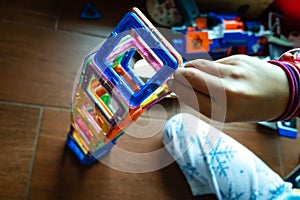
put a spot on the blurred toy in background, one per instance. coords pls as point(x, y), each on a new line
point(294, 37)
point(164, 12)
point(290, 16)
point(90, 12)
point(219, 35)
point(108, 94)
point(283, 128)
point(290, 10)
point(278, 41)
point(283, 18)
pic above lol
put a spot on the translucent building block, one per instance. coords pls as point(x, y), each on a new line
point(108, 95)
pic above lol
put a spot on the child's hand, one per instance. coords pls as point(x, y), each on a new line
point(255, 90)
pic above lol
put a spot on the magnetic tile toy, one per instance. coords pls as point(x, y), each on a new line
point(108, 95)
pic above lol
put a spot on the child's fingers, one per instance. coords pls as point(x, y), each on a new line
point(201, 81)
point(217, 69)
point(197, 100)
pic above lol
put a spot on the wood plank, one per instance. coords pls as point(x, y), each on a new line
point(290, 154)
point(34, 12)
point(39, 65)
point(18, 129)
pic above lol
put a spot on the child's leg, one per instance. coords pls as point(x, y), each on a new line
point(213, 162)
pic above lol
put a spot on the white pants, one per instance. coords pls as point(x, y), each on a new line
point(214, 163)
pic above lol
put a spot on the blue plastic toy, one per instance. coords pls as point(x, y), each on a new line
point(90, 12)
point(287, 128)
point(108, 95)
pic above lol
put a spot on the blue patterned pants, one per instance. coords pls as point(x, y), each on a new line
point(214, 163)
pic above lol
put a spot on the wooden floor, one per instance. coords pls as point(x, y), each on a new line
point(42, 44)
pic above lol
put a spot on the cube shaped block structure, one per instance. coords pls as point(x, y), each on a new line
point(108, 95)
